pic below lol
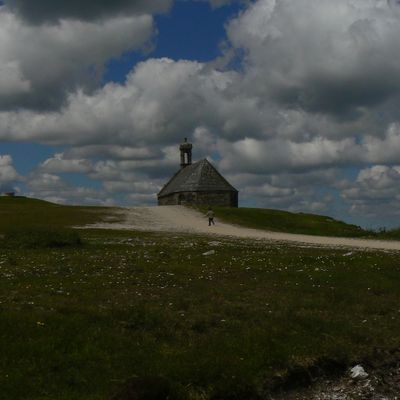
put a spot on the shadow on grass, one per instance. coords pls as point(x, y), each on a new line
point(39, 238)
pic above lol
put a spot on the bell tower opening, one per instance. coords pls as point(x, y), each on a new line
point(186, 153)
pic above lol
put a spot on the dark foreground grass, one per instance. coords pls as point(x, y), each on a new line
point(76, 322)
point(43, 237)
point(284, 221)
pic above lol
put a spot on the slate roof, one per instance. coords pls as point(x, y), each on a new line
point(198, 177)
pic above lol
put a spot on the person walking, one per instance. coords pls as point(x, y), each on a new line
point(210, 215)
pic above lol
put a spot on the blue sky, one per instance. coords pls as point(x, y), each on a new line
point(296, 103)
point(190, 31)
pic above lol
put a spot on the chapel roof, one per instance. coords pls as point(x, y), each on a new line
point(198, 177)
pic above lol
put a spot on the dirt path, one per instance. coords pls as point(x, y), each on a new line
point(182, 219)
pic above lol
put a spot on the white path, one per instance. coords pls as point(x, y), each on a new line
point(182, 219)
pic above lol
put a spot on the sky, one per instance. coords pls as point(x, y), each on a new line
point(297, 103)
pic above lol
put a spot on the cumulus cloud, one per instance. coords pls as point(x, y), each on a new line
point(263, 156)
point(306, 192)
point(52, 187)
point(58, 164)
point(41, 11)
point(164, 100)
point(220, 3)
point(149, 189)
point(329, 57)
point(116, 152)
point(40, 65)
point(130, 178)
point(160, 101)
point(8, 174)
point(250, 155)
point(375, 193)
point(12, 81)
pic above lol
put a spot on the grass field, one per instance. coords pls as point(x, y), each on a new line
point(284, 221)
point(24, 212)
point(76, 321)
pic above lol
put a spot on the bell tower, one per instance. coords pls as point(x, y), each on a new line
point(186, 153)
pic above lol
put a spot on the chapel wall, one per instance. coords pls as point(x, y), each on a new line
point(212, 198)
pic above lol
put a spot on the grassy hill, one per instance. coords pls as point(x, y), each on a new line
point(22, 212)
point(393, 234)
point(33, 223)
point(284, 221)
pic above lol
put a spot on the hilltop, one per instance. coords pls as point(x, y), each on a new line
point(18, 213)
point(284, 221)
point(21, 211)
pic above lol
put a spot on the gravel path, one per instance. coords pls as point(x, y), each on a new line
point(182, 219)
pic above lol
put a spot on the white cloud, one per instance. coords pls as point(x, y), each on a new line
point(8, 174)
point(375, 193)
point(52, 11)
point(161, 101)
point(134, 188)
point(289, 191)
point(263, 156)
point(58, 164)
point(39, 65)
point(250, 155)
point(325, 56)
point(115, 152)
point(219, 3)
point(115, 177)
point(142, 199)
point(12, 81)
point(53, 188)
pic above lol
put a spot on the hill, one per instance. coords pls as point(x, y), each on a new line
point(390, 234)
point(284, 221)
point(22, 212)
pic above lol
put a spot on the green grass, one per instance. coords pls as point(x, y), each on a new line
point(23, 212)
point(77, 321)
point(393, 234)
point(39, 238)
point(284, 221)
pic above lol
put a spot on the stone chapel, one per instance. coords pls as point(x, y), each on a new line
point(197, 184)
